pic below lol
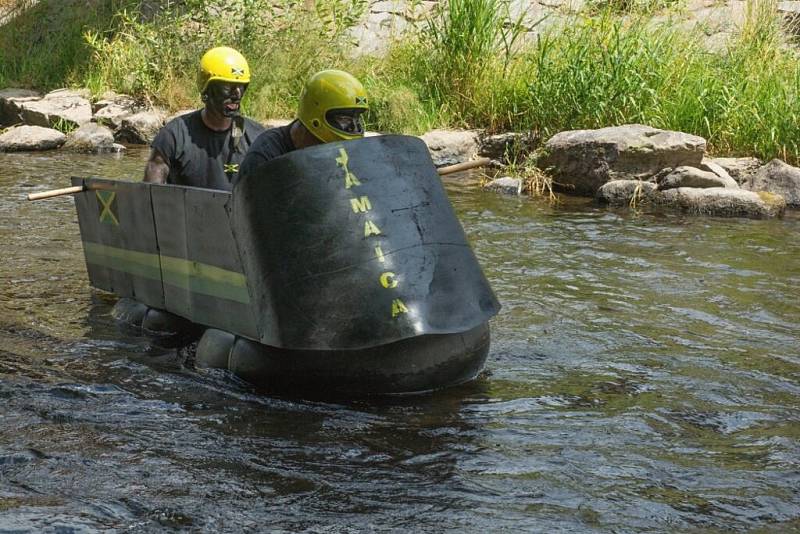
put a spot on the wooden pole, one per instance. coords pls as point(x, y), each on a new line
point(80, 188)
point(57, 192)
point(463, 166)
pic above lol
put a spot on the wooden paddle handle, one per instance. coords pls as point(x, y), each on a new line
point(80, 188)
point(57, 192)
point(480, 162)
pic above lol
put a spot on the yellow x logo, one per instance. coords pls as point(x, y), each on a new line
point(231, 168)
point(106, 200)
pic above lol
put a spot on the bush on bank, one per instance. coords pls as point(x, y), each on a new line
point(468, 66)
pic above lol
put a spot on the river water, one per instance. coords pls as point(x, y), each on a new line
point(644, 376)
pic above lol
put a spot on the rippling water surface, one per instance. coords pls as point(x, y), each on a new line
point(644, 376)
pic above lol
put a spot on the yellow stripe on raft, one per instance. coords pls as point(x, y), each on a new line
point(187, 274)
point(180, 266)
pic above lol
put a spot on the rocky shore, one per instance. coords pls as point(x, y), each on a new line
point(630, 165)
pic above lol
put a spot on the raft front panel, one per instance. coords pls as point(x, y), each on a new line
point(354, 244)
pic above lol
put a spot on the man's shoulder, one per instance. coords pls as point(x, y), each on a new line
point(272, 143)
point(183, 121)
point(183, 117)
point(278, 135)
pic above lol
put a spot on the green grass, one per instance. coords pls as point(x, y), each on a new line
point(43, 45)
point(471, 65)
point(603, 70)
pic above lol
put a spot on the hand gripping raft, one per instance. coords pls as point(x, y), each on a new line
point(341, 266)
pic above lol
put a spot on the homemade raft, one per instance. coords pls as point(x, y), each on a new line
point(340, 268)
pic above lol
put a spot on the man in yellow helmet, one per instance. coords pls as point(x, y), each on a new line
point(331, 108)
point(205, 147)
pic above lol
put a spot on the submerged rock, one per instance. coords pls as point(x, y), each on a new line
point(623, 192)
point(506, 185)
point(722, 202)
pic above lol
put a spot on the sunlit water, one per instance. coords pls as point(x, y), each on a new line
point(644, 376)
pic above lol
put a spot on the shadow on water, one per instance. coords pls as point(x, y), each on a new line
point(643, 377)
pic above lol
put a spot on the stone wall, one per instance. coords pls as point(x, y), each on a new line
point(386, 20)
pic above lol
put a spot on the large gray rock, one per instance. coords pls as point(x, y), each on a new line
point(710, 165)
point(10, 100)
point(779, 178)
point(738, 168)
point(722, 202)
point(112, 108)
point(140, 128)
point(64, 106)
point(92, 137)
point(21, 138)
point(622, 192)
point(448, 147)
point(685, 176)
point(583, 160)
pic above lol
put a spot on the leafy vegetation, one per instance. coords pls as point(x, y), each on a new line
point(473, 63)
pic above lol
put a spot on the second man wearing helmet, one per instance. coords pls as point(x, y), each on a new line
point(331, 108)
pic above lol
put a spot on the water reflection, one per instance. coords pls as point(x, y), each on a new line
point(643, 377)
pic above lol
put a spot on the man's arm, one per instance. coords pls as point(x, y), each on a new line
point(157, 169)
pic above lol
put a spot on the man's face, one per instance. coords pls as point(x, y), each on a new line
point(224, 98)
point(346, 120)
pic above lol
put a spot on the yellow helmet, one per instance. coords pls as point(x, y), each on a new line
point(222, 64)
point(326, 93)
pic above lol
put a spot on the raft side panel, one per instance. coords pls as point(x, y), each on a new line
point(201, 271)
point(118, 235)
point(355, 245)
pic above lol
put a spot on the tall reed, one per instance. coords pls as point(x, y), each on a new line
point(463, 46)
point(602, 70)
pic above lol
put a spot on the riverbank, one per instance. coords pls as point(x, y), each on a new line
point(467, 64)
point(633, 165)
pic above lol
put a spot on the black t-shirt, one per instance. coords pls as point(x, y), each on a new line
point(269, 145)
point(198, 156)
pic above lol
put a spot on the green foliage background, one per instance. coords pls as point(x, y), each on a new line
point(471, 64)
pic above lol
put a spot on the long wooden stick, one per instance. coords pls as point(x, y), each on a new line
point(480, 162)
point(57, 192)
point(81, 188)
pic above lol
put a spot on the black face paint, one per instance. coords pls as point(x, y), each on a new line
point(224, 98)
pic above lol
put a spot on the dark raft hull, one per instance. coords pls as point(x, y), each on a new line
point(340, 268)
point(412, 365)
